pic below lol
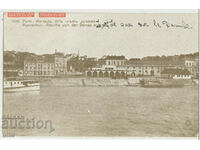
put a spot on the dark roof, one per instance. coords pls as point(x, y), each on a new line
point(176, 71)
point(30, 59)
point(115, 57)
point(156, 63)
point(47, 59)
point(59, 54)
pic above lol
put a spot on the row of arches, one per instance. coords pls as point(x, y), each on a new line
point(109, 74)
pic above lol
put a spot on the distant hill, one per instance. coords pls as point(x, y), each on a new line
point(16, 58)
point(181, 57)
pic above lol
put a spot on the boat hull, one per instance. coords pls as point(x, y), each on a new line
point(162, 86)
point(21, 89)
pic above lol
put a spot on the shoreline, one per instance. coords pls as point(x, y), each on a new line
point(108, 82)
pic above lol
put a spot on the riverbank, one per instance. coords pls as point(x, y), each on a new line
point(93, 82)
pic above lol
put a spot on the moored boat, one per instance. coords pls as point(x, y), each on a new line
point(25, 85)
point(159, 84)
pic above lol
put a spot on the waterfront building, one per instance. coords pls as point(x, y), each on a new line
point(80, 64)
point(30, 66)
point(112, 60)
point(193, 67)
point(10, 72)
point(110, 71)
point(39, 67)
point(109, 66)
point(135, 68)
point(46, 65)
point(176, 74)
point(152, 68)
point(60, 63)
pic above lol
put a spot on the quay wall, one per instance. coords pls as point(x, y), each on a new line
point(82, 82)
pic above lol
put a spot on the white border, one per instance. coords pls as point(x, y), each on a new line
point(86, 11)
point(1, 71)
point(199, 65)
point(105, 10)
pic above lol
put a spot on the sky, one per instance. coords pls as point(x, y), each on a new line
point(133, 42)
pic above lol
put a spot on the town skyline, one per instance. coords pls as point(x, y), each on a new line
point(102, 74)
point(64, 64)
point(81, 54)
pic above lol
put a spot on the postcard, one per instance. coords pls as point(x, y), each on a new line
point(100, 73)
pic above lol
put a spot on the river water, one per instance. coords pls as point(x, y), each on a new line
point(107, 111)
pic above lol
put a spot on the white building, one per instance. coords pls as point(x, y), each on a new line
point(114, 60)
point(193, 67)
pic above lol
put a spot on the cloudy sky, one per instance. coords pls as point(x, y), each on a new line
point(132, 41)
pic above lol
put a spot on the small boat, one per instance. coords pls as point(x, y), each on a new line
point(159, 84)
point(25, 85)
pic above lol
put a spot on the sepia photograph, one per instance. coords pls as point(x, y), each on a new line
point(100, 74)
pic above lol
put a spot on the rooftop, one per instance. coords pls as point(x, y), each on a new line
point(155, 63)
point(114, 57)
point(46, 59)
point(176, 71)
